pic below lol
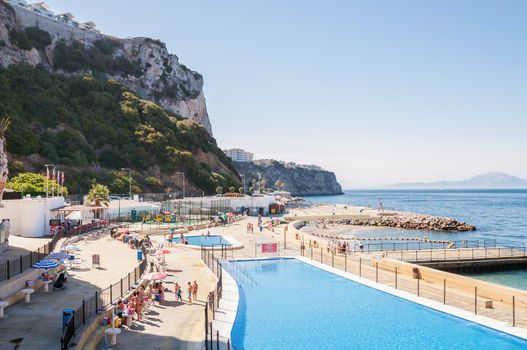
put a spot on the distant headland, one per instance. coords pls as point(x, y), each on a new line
point(494, 180)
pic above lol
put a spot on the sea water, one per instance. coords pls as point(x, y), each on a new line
point(499, 215)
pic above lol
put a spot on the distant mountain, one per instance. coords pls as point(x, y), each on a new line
point(488, 180)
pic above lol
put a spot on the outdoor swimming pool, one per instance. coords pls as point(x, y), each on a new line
point(288, 304)
point(206, 241)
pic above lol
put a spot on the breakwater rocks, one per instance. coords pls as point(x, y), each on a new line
point(413, 221)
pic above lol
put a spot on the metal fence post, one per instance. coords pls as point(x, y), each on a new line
point(121, 286)
point(84, 312)
point(96, 303)
point(210, 323)
point(228, 344)
point(418, 286)
point(111, 298)
point(206, 327)
point(476, 300)
point(360, 267)
point(346, 262)
point(395, 277)
point(21, 268)
point(217, 340)
point(8, 270)
point(513, 312)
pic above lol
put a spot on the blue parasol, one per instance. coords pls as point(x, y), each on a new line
point(46, 264)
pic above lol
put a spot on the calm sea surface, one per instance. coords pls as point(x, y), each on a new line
point(497, 214)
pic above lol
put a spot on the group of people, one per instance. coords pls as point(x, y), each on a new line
point(250, 227)
point(344, 247)
point(192, 291)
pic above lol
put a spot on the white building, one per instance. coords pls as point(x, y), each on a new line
point(20, 3)
point(29, 216)
point(254, 204)
point(239, 155)
point(42, 9)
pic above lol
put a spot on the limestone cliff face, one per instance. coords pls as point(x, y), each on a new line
point(162, 78)
point(300, 180)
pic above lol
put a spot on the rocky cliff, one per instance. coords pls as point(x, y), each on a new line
point(300, 180)
point(143, 65)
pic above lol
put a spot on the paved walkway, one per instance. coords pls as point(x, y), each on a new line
point(38, 325)
point(21, 246)
point(173, 325)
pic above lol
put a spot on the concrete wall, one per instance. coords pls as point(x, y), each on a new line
point(29, 217)
point(18, 282)
point(453, 281)
point(59, 30)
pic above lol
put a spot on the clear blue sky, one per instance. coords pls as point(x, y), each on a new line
point(377, 91)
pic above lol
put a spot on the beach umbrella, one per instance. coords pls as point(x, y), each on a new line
point(164, 251)
point(166, 212)
point(59, 256)
point(46, 264)
point(155, 276)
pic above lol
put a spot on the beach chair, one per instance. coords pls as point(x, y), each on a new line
point(96, 260)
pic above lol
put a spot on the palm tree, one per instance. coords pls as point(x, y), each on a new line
point(98, 196)
point(4, 124)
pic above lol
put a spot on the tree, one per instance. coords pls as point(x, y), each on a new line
point(33, 182)
point(98, 195)
point(240, 190)
point(232, 189)
point(219, 190)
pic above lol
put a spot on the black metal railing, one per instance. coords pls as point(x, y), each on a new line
point(13, 267)
point(212, 258)
point(97, 303)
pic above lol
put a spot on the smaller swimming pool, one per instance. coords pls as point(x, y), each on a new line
point(205, 241)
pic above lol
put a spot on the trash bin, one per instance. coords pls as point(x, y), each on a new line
point(67, 315)
point(139, 255)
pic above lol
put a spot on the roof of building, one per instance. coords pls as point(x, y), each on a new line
point(67, 15)
point(89, 24)
point(41, 5)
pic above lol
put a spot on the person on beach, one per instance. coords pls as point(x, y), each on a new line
point(361, 246)
point(170, 239)
point(177, 288)
point(195, 290)
point(139, 303)
point(189, 292)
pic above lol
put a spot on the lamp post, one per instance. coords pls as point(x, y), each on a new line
point(183, 174)
point(130, 180)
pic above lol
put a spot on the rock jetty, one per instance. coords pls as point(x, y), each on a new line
point(413, 221)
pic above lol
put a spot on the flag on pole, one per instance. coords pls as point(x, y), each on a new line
point(53, 182)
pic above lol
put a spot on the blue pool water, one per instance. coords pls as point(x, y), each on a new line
point(206, 241)
point(287, 304)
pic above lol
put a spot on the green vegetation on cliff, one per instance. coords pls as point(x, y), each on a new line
point(94, 127)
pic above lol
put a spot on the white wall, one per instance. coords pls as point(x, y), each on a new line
point(29, 217)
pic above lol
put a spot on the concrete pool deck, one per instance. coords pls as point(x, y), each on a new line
point(38, 325)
